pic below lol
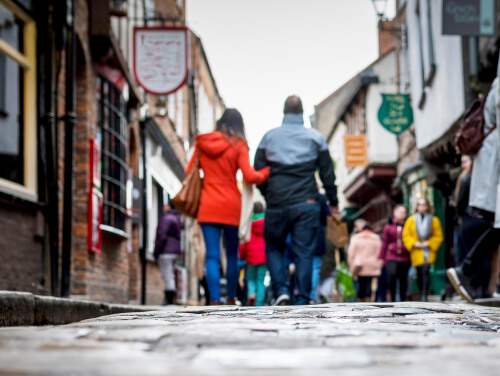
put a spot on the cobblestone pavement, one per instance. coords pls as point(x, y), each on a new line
point(348, 339)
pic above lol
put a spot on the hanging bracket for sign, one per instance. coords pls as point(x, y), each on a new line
point(161, 58)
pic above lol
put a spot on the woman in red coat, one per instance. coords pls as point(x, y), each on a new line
point(222, 153)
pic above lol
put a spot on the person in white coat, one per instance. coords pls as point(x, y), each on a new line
point(496, 294)
point(480, 235)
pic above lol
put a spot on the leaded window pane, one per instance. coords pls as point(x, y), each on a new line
point(112, 122)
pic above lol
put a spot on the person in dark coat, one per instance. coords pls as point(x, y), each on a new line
point(294, 153)
point(168, 248)
point(394, 253)
point(460, 201)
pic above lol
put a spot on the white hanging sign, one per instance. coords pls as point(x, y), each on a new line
point(160, 58)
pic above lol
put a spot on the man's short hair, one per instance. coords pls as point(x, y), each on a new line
point(293, 105)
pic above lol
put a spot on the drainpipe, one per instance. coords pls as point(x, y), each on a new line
point(144, 213)
point(48, 152)
point(69, 142)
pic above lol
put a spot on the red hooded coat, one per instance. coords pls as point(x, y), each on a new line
point(254, 251)
point(220, 159)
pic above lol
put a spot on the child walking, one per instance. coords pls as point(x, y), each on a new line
point(254, 253)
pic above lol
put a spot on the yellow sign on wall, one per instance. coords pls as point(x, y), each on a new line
point(355, 151)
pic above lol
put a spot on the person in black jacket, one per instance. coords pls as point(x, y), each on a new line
point(460, 201)
point(294, 153)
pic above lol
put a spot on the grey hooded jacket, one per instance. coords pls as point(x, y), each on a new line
point(294, 154)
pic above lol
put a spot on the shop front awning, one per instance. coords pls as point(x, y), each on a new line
point(443, 150)
point(374, 180)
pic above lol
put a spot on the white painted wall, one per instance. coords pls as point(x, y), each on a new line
point(382, 144)
point(179, 113)
point(445, 98)
point(205, 111)
point(336, 148)
point(159, 170)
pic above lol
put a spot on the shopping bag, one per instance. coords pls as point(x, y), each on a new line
point(336, 232)
point(344, 282)
point(187, 199)
point(245, 229)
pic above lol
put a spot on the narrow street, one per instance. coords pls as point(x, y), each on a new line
point(184, 182)
point(350, 339)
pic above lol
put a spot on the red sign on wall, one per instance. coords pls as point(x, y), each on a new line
point(94, 220)
point(94, 215)
point(161, 58)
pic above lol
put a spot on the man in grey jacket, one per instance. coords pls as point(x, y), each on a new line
point(481, 239)
point(294, 154)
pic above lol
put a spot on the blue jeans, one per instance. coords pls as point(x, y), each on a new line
point(317, 260)
point(255, 282)
point(211, 234)
point(301, 221)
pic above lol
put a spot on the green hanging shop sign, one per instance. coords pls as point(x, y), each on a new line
point(395, 113)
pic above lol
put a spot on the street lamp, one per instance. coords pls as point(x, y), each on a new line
point(379, 6)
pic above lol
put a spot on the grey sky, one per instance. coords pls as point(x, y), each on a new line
point(261, 51)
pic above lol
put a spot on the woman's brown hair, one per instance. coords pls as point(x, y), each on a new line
point(231, 124)
point(430, 209)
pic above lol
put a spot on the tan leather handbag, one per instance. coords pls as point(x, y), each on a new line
point(187, 199)
point(336, 232)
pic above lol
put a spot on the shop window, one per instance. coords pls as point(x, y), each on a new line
point(113, 133)
point(17, 101)
point(154, 214)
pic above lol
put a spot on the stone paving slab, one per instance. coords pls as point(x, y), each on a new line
point(351, 339)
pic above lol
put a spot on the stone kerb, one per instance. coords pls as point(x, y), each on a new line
point(25, 309)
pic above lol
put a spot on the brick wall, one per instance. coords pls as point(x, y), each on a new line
point(112, 275)
point(98, 276)
point(134, 262)
point(168, 8)
point(108, 277)
point(386, 38)
point(20, 252)
point(80, 265)
point(154, 285)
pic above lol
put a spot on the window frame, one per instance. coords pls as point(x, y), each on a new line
point(113, 179)
point(27, 61)
point(427, 59)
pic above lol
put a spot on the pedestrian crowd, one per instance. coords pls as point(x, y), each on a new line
point(287, 242)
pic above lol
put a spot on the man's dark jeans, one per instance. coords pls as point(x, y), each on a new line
point(301, 220)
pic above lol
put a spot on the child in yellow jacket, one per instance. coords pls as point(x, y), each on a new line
point(422, 236)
